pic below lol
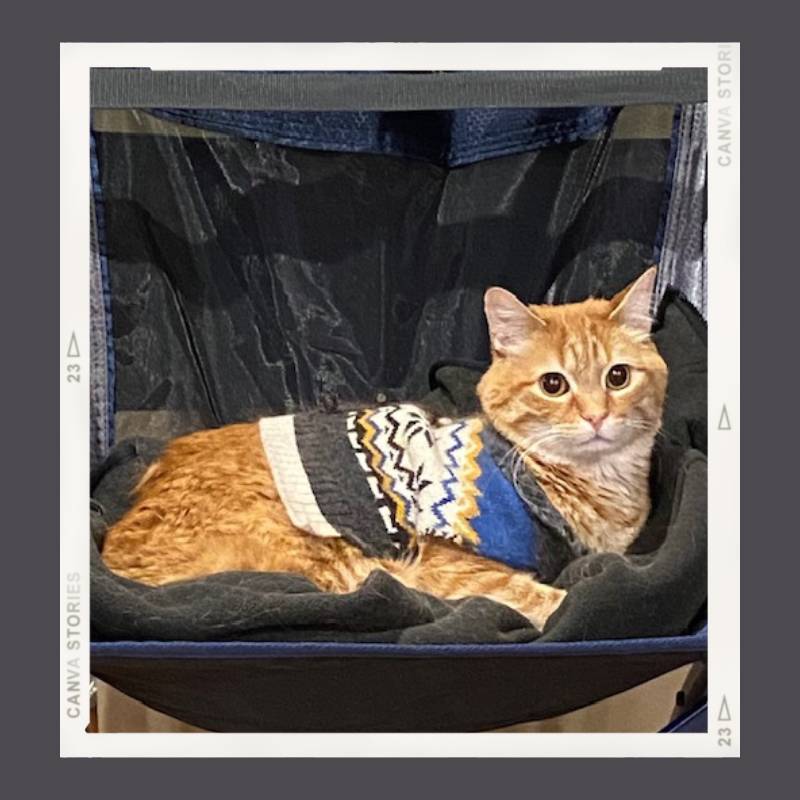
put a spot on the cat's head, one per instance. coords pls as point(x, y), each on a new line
point(577, 382)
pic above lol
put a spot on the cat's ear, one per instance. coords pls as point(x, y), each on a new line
point(631, 306)
point(511, 322)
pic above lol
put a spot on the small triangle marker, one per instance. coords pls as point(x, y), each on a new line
point(724, 711)
point(724, 420)
point(72, 349)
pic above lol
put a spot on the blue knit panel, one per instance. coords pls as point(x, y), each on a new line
point(504, 526)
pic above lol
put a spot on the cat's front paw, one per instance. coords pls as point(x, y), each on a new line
point(547, 604)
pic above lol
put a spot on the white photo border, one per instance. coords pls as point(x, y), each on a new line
point(723, 63)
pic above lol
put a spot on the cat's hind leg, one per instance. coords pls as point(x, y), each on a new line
point(450, 572)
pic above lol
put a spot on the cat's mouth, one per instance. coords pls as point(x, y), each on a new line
point(597, 440)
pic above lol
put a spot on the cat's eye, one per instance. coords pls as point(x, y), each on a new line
point(618, 377)
point(553, 384)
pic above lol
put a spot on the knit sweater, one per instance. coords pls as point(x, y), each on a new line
point(384, 476)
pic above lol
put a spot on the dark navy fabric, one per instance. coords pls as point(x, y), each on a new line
point(668, 179)
point(447, 138)
point(694, 721)
point(388, 691)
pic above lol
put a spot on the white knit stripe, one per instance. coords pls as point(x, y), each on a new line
point(280, 447)
point(438, 471)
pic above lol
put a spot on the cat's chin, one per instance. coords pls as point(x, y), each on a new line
point(587, 452)
point(593, 449)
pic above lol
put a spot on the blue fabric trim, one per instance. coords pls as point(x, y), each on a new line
point(99, 210)
point(696, 643)
point(449, 138)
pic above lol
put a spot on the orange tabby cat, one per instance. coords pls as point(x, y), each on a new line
point(577, 389)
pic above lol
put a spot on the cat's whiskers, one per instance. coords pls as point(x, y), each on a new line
point(522, 451)
point(638, 424)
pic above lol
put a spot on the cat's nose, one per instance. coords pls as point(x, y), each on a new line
point(595, 419)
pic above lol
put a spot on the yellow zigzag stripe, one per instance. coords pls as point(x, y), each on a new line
point(375, 459)
point(470, 472)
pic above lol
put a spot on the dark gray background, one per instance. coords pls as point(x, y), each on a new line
point(31, 382)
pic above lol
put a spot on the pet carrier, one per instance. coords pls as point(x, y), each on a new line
point(270, 242)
